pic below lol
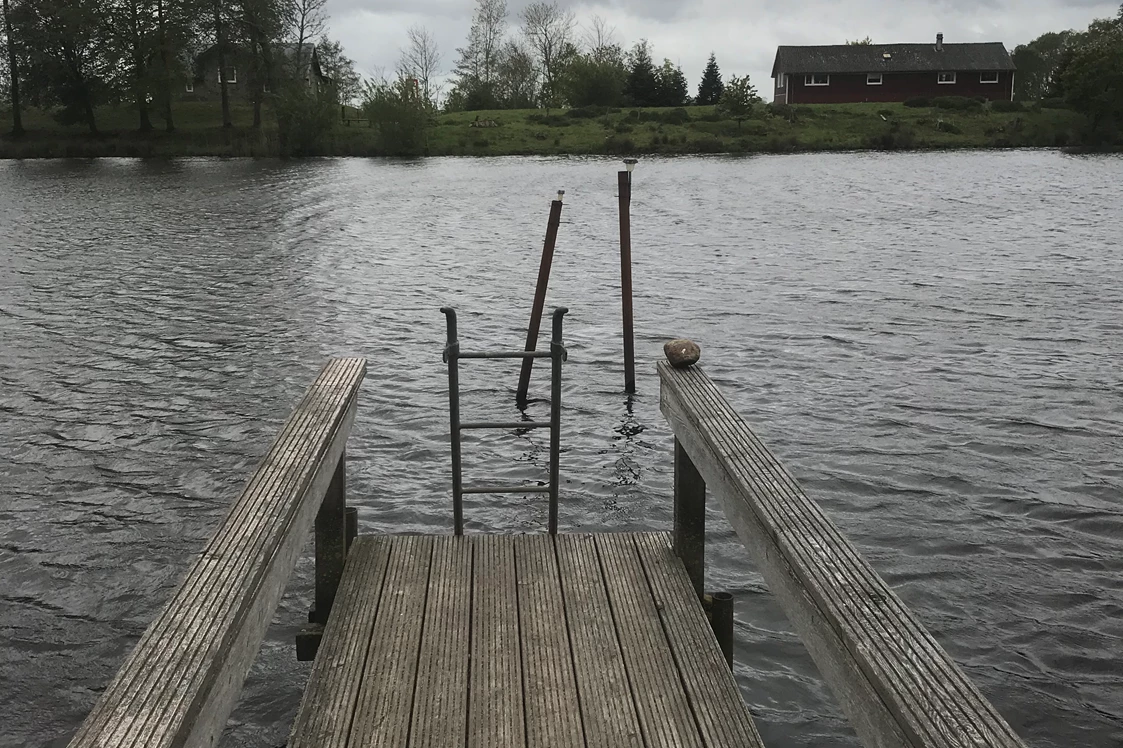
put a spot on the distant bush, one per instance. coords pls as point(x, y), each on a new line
point(886, 112)
point(623, 128)
point(615, 145)
point(633, 114)
point(808, 112)
point(677, 116)
point(709, 145)
point(587, 112)
point(550, 120)
point(918, 102)
point(948, 127)
point(1055, 103)
point(1007, 106)
point(956, 103)
point(714, 116)
point(781, 110)
point(892, 138)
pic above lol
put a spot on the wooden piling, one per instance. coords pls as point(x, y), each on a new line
point(539, 298)
point(331, 543)
point(721, 621)
point(624, 181)
point(690, 519)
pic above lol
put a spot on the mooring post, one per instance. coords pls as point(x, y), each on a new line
point(352, 525)
point(331, 542)
point(539, 297)
point(624, 182)
point(721, 621)
point(557, 355)
point(452, 358)
point(690, 519)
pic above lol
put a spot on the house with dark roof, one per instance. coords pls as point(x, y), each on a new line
point(204, 82)
point(840, 74)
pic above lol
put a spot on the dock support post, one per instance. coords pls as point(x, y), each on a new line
point(352, 525)
point(331, 542)
point(624, 182)
point(539, 298)
point(721, 621)
point(690, 519)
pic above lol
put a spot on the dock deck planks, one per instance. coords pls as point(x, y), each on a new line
point(516, 641)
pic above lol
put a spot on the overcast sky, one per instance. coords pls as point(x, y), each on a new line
point(744, 35)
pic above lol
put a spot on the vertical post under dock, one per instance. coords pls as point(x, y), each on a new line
point(690, 519)
point(331, 542)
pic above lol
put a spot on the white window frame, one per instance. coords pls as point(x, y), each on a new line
point(870, 79)
point(983, 77)
point(232, 73)
point(942, 79)
point(189, 87)
point(780, 81)
point(809, 80)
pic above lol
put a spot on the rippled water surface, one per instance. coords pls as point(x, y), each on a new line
point(931, 342)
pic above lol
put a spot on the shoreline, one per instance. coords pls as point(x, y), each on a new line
point(827, 128)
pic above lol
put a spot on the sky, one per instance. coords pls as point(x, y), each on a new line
point(744, 35)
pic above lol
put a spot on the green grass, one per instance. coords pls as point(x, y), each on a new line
point(534, 132)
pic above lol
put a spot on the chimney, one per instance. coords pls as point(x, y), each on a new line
point(939, 42)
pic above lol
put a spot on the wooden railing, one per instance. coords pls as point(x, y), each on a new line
point(896, 684)
point(179, 685)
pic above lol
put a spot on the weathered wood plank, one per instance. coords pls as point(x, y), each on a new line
point(181, 681)
point(721, 715)
point(495, 711)
point(553, 717)
point(328, 706)
point(385, 706)
point(607, 708)
point(664, 713)
point(440, 704)
point(896, 683)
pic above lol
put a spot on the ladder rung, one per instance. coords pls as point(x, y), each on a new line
point(505, 425)
point(505, 354)
point(506, 489)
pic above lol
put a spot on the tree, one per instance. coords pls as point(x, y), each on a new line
point(421, 61)
point(600, 41)
point(1092, 79)
point(1038, 63)
point(13, 72)
point(642, 86)
point(860, 42)
point(592, 82)
point(260, 25)
point(219, 11)
point(549, 31)
point(478, 61)
point(516, 77)
point(65, 53)
point(709, 90)
point(401, 118)
point(670, 85)
point(130, 27)
point(306, 20)
point(738, 98)
point(340, 68)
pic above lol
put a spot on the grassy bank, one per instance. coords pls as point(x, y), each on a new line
point(535, 132)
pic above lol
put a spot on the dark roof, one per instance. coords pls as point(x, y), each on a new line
point(903, 58)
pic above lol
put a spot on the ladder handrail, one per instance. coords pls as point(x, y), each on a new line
point(452, 355)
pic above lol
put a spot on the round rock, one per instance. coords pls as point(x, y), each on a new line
point(682, 353)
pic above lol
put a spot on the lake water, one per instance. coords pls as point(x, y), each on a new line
point(931, 342)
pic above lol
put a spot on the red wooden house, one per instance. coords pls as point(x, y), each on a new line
point(892, 72)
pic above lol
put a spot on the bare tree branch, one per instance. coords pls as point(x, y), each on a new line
point(421, 60)
point(549, 29)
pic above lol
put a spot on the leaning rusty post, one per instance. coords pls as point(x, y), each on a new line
point(721, 621)
point(624, 181)
point(331, 543)
point(539, 297)
point(690, 518)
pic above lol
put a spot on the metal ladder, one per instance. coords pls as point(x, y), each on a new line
point(452, 355)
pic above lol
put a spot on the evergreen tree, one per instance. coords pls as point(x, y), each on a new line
point(709, 90)
point(642, 86)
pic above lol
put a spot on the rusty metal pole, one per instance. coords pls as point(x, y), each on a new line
point(539, 297)
point(624, 181)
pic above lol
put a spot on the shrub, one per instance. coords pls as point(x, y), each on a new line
point(918, 103)
point(587, 112)
point(615, 145)
point(709, 145)
point(677, 116)
point(956, 103)
point(1007, 106)
point(886, 112)
point(781, 110)
point(892, 139)
point(1055, 103)
point(623, 128)
point(711, 116)
point(948, 127)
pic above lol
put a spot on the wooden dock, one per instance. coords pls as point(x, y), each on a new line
point(530, 641)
